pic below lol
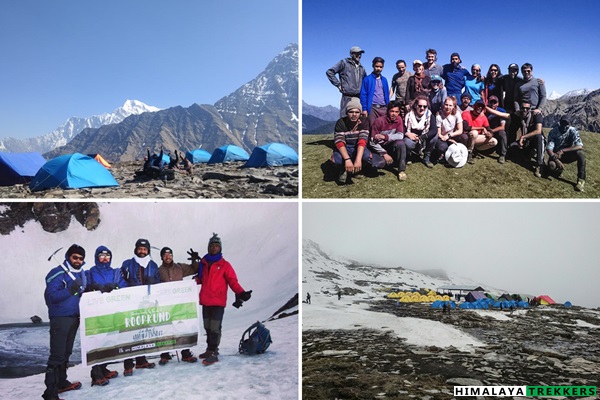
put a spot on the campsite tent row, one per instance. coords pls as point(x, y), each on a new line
point(271, 154)
point(416, 297)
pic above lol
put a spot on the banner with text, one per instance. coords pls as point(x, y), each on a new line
point(139, 320)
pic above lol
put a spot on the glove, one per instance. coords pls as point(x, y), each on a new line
point(238, 302)
point(109, 287)
point(97, 286)
point(75, 287)
point(245, 296)
point(194, 256)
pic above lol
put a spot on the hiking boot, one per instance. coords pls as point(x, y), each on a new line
point(501, 159)
point(110, 374)
point(163, 361)
point(128, 372)
point(537, 172)
point(70, 386)
point(100, 382)
point(580, 185)
point(342, 177)
point(426, 161)
point(211, 359)
point(402, 176)
point(145, 365)
point(208, 353)
point(187, 356)
point(470, 158)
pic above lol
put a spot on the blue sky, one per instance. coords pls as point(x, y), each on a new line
point(559, 38)
point(69, 58)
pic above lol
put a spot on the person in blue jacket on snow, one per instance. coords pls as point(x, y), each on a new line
point(102, 277)
point(64, 286)
point(139, 270)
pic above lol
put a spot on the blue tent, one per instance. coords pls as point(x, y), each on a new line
point(72, 171)
point(228, 153)
point(19, 167)
point(568, 304)
point(198, 156)
point(272, 154)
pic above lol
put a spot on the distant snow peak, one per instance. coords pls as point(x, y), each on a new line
point(578, 92)
point(136, 107)
point(554, 95)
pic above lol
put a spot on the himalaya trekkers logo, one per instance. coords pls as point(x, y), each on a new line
point(525, 391)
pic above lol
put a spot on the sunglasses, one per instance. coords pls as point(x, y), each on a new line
point(493, 70)
point(103, 255)
point(475, 70)
point(77, 258)
point(422, 106)
point(526, 108)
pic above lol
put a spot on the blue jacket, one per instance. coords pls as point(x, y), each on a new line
point(60, 301)
point(130, 269)
point(103, 273)
point(368, 90)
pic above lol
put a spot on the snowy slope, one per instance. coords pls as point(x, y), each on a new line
point(259, 239)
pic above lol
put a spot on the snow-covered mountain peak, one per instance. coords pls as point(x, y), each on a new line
point(554, 95)
point(135, 107)
point(577, 92)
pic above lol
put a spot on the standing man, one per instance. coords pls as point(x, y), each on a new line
point(510, 83)
point(64, 286)
point(137, 271)
point(351, 74)
point(454, 76)
point(531, 90)
point(170, 271)
point(431, 68)
point(399, 82)
point(307, 298)
point(374, 93)
point(216, 275)
point(565, 146)
point(102, 277)
point(387, 144)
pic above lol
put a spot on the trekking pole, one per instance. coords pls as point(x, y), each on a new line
point(177, 354)
point(61, 264)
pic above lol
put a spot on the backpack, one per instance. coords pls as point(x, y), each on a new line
point(257, 342)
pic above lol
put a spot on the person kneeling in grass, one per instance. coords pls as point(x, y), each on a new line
point(565, 146)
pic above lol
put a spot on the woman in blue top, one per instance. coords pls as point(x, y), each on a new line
point(474, 84)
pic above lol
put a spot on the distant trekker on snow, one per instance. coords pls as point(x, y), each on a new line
point(307, 297)
point(139, 270)
point(64, 286)
point(169, 272)
point(339, 294)
point(215, 275)
point(102, 277)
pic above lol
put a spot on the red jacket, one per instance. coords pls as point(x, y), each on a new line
point(215, 280)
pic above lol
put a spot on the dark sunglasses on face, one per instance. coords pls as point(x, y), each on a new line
point(526, 108)
point(493, 70)
point(105, 255)
point(79, 258)
point(422, 106)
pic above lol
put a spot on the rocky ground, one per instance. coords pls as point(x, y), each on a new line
point(206, 181)
point(543, 346)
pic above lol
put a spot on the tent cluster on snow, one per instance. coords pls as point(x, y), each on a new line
point(474, 299)
point(76, 171)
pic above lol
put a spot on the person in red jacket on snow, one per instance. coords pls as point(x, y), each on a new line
point(215, 275)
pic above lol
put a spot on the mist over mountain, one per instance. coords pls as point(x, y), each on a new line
point(263, 110)
point(67, 131)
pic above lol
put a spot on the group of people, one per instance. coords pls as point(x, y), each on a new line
point(66, 283)
point(444, 114)
point(155, 166)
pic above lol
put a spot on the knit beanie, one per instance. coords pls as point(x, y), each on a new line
point(165, 250)
point(142, 243)
point(354, 103)
point(215, 239)
point(75, 249)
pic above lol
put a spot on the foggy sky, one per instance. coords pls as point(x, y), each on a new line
point(523, 247)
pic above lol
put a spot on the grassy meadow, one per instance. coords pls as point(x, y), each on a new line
point(485, 179)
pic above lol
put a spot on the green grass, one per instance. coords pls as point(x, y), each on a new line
point(485, 179)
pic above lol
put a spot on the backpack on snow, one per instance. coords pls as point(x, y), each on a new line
point(258, 340)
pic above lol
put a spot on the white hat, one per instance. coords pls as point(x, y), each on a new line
point(457, 155)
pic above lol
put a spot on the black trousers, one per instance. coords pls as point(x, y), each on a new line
point(212, 316)
point(572, 156)
point(62, 337)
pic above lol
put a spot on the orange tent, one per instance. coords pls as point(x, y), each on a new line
point(100, 159)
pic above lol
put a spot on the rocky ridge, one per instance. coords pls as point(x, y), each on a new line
point(53, 217)
point(538, 347)
point(206, 181)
